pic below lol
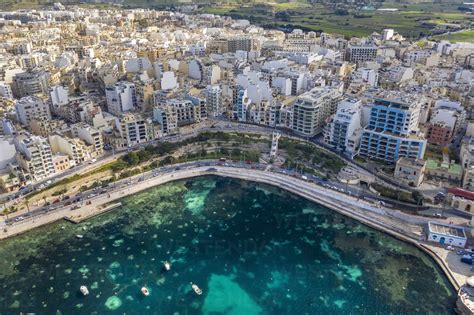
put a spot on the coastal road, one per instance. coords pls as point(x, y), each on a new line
point(78, 200)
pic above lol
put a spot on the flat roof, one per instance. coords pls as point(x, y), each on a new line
point(446, 229)
point(453, 168)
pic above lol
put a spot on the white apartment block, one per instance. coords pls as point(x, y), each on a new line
point(214, 100)
point(6, 90)
point(344, 129)
point(34, 156)
point(58, 96)
point(121, 98)
point(31, 107)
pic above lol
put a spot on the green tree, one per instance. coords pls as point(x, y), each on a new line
point(143, 155)
point(131, 158)
point(253, 155)
point(224, 151)
point(119, 165)
point(236, 153)
point(417, 196)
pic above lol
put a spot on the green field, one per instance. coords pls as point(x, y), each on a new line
point(412, 20)
point(465, 36)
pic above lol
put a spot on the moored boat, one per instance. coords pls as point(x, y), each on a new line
point(145, 291)
point(84, 290)
point(196, 289)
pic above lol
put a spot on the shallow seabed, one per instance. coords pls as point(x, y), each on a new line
point(252, 248)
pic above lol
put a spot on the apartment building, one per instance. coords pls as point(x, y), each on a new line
point(58, 96)
point(31, 107)
point(361, 53)
point(6, 90)
point(90, 135)
point(178, 112)
point(313, 108)
point(121, 98)
point(61, 162)
point(468, 179)
point(241, 103)
point(77, 150)
point(166, 117)
point(343, 130)
point(144, 93)
point(34, 156)
point(132, 129)
point(231, 45)
point(466, 153)
point(392, 132)
point(239, 43)
point(214, 100)
point(45, 127)
point(29, 83)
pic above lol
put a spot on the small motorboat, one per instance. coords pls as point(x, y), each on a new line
point(196, 289)
point(167, 266)
point(79, 236)
point(84, 290)
point(145, 291)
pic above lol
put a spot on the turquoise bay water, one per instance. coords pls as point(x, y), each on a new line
point(252, 248)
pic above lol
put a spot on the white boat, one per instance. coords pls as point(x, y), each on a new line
point(145, 291)
point(84, 290)
point(79, 236)
point(167, 266)
point(196, 289)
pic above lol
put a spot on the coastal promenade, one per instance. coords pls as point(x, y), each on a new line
point(396, 223)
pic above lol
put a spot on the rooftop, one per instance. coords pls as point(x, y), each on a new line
point(451, 168)
point(446, 229)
